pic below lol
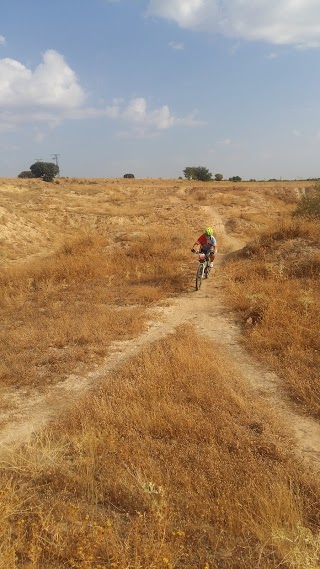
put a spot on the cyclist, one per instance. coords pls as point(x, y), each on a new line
point(207, 244)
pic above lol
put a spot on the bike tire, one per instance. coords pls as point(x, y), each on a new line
point(199, 277)
point(207, 271)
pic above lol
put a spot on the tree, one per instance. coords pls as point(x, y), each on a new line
point(45, 170)
point(26, 174)
point(218, 177)
point(197, 173)
point(235, 179)
point(128, 176)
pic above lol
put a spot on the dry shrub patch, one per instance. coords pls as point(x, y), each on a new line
point(63, 310)
point(275, 285)
point(169, 465)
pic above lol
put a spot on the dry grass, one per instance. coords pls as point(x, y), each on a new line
point(274, 285)
point(84, 296)
point(169, 465)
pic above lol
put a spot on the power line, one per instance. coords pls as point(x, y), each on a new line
point(55, 158)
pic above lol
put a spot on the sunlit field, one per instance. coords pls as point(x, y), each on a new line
point(170, 462)
point(275, 287)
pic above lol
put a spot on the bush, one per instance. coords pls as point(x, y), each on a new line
point(128, 176)
point(26, 174)
point(235, 179)
point(309, 206)
point(45, 170)
point(197, 173)
point(218, 177)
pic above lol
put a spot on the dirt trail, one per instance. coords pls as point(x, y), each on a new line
point(210, 318)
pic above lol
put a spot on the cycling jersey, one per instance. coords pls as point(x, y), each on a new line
point(205, 239)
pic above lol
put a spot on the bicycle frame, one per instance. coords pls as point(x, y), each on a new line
point(203, 269)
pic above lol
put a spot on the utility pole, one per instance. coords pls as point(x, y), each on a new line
point(55, 157)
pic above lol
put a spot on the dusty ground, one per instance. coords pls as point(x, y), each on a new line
point(30, 411)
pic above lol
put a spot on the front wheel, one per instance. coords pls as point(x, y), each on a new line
point(199, 277)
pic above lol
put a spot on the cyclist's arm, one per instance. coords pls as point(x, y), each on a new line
point(214, 244)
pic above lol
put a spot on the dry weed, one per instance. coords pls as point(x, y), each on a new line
point(169, 465)
point(275, 287)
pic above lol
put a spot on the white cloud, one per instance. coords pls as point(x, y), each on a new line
point(272, 55)
point(225, 142)
point(51, 94)
point(38, 135)
point(52, 84)
point(295, 22)
point(141, 120)
point(176, 45)
point(2, 40)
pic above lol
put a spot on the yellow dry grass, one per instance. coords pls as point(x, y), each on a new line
point(275, 286)
point(171, 464)
point(168, 465)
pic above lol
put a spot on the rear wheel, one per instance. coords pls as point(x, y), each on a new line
point(207, 270)
point(199, 277)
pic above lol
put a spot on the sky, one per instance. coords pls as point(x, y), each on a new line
point(149, 87)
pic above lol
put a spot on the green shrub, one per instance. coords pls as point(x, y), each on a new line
point(197, 173)
point(26, 174)
point(45, 170)
point(235, 179)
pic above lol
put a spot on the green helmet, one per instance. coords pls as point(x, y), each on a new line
point(208, 231)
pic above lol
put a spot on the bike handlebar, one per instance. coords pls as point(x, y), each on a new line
point(201, 252)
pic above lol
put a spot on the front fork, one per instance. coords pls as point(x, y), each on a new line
point(203, 267)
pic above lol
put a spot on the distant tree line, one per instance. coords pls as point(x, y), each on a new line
point(45, 170)
point(202, 174)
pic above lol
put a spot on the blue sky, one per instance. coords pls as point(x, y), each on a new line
point(151, 86)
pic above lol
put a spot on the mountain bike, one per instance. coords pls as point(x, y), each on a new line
point(204, 268)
